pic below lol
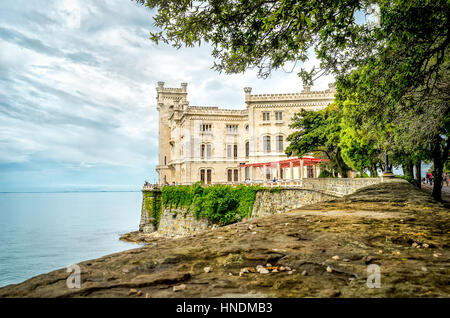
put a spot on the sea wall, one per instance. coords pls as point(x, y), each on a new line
point(178, 221)
point(267, 202)
point(150, 210)
point(338, 186)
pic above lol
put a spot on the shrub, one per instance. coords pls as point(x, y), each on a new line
point(325, 174)
point(221, 204)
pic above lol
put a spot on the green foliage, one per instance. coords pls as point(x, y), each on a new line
point(392, 69)
point(152, 204)
point(319, 132)
point(221, 204)
point(325, 174)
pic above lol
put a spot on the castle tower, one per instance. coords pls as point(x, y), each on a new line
point(166, 99)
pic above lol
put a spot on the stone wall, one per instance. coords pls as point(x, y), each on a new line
point(151, 203)
point(176, 222)
point(338, 186)
point(267, 202)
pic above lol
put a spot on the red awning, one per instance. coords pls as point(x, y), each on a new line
point(287, 163)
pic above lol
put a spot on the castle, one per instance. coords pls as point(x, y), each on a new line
point(214, 145)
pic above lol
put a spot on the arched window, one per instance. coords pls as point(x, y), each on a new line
point(247, 149)
point(280, 147)
point(266, 143)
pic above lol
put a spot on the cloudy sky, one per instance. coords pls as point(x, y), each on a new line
point(77, 93)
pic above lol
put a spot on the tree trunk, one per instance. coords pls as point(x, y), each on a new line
point(440, 156)
point(418, 167)
point(373, 171)
point(408, 170)
point(341, 164)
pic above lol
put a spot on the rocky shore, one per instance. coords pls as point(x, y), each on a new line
point(322, 250)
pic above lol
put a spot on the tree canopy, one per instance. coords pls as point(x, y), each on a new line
point(390, 59)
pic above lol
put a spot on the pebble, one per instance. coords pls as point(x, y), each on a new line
point(424, 269)
point(380, 251)
point(414, 244)
point(396, 253)
point(288, 268)
point(253, 232)
point(179, 287)
point(139, 293)
point(290, 272)
point(335, 257)
point(425, 245)
point(329, 270)
point(207, 269)
point(282, 268)
point(264, 271)
point(435, 255)
point(147, 295)
point(305, 273)
point(268, 265)
point(132, 291)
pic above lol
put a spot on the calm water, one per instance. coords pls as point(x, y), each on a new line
point(41, 232)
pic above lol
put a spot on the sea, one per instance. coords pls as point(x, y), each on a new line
point(42, 232)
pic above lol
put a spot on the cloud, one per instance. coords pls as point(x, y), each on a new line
point(77, 92)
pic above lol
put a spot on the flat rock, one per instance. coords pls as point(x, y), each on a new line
point(355, 227)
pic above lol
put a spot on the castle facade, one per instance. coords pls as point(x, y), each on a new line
point(214, 145)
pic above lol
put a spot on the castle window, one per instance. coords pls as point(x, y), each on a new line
point(278, 115)
point(266, 116)
point(268, 173)
point(205, 127)
point(205, 151)
point(280, 143)
point(233, 175)
point(232, 128)
point(205, 176)
point(247, 149)
point(232, 151)
point(310, 171)
point(246, 127)
point(266, 143)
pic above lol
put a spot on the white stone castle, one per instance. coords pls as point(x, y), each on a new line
point(214, 145)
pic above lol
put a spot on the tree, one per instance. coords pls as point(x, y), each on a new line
point(318, 131)
point(400, 53)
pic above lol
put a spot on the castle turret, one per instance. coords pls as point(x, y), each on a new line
point(166, 100)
